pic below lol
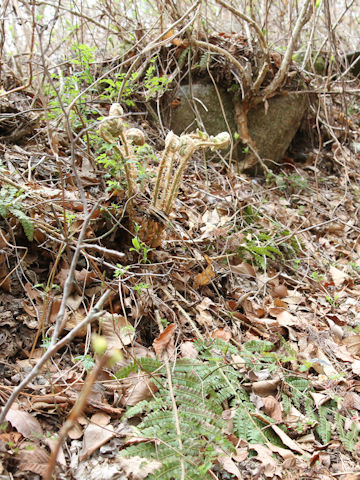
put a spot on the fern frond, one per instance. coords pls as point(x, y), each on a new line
point(324, 426)
point(25, 221)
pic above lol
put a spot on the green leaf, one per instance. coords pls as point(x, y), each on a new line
point(136, 243)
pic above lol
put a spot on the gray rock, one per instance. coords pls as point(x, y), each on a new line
point(272, 129)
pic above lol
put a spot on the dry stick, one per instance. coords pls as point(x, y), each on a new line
point(75, 414)
point(94, 313)
point(172, 397)
point(29, 82)
point(70, 278)
point(158, 42)
point(304, 17)
point(222, 51)
point(81, 15)
point(252, 23)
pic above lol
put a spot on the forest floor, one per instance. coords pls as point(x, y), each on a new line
point(256, 286)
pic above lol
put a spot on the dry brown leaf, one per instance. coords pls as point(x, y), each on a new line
point(353, 344)
point(52, 443)
point(229, 466)
point(204, 278)
point(356, 367)
point(95, 436)
point(138, 468)
point(266, 387)
point(138, 387)
point(243, 269)
point(222, 334)
point(283, 452)
point(5, 281)
point(165, 342)
point(117, 331)
point(204, 318)
point(351, 401)
point(286, 319)
point(24, 423)
point(272, 408)
point(319, 398)
point(287, 440)
point(35, 461)
point(264, 455)
point(280, 291)
point(73, 319)
point(188, 350)
point(74, 301)
point(242, 454)
point(338, 276)
point(76, 431)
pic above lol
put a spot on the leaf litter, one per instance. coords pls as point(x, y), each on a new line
point(270, 273)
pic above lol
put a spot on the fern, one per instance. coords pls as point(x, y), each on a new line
point(199, 411)
point(348, 439)
point(9, 204)
point(324, 427)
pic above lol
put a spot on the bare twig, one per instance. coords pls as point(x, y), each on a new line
point(94, 313)
point(304, 17)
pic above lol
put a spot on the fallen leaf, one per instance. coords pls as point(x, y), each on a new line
point(204, 278)
point(286, 319)
point(243, 269)
point(24, 423)
point(222, 334)
point(229, 466)
point(117, 331)
point(188, 350)
point(280, 291)
point(137, 468)
point(96, 435)
point(165, 341)
point(356, 367)
point(338, 276)
point(52, 443)
point(353, 344)
point(35, 460)
point(138, 387)
point(266, 387)
point(272, 408)
point(264, 455)
point(287, 440)
point(351, 401)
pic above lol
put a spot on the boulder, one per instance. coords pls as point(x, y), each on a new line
point(272, 127)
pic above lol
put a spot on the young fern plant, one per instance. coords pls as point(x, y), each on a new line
point(113, 128)
point(10, 204)
point(175, 157)
point(201, 434)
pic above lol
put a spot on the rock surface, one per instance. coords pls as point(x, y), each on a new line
point(272, 130)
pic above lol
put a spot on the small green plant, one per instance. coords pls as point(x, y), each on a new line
point(317, 277)
point(87, 361)
point(155, 85)
point(46, 341)
point(332, 300)
point(120, 270)
point(260, 247)
point(141, 287)
point(141, 248)
point(11, 203)
point(294, 183)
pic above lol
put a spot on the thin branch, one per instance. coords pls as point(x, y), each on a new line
point(94, 313)
point(304, 17)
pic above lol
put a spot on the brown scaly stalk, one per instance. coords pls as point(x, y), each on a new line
point(176, 155)
point(113, 127)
